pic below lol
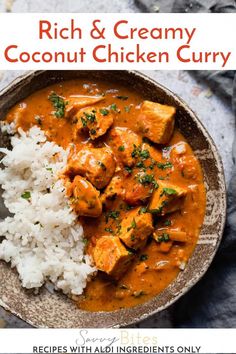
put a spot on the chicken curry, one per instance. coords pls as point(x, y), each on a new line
point(133, 181)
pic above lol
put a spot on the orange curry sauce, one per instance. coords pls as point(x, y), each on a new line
point(156, 265)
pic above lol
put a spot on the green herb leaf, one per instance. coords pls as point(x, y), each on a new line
point(168, 191)
point(90, 117)
point(127, 109)
point(167, 222)
point(143, 257)
point(138, 152)
point(148, 179)
point(114, 108)
point(108, 229)
point(144, 154)
point(163, 166)
point(128, 169)
point(92, 131)
point(121, 148)
point(155, 211)
point(26, 195)
point(104, 111)
point(84, 122)
point(132, 226)
point(85, 241)
point(140, 164)
point(59, 104)
point(142, 210)
point(113, 215)
point(164, 237)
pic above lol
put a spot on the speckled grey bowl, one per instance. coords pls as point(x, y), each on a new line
point(56, 310)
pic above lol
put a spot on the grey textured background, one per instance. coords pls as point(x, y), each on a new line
point(215, 114)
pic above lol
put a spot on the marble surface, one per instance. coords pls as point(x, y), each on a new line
point(214, 113)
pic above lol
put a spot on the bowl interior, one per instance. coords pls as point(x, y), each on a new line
point(56, 310)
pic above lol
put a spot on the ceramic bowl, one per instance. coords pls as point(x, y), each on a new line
point(56, 310)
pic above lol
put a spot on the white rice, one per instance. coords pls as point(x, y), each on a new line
point(42, 238)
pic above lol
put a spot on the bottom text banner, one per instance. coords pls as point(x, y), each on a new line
point(145, 341)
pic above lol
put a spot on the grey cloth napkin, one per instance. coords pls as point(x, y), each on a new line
point(212, 302)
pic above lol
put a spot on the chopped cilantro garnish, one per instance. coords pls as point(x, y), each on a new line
point(168, 191)
point(113, 106)
point(121, 148)
point(104, 111)
point(85, 241)
point(91, 117)
point(163, 166)
point(148, 179)
point(113, 215)
point(59, 104)
point(26, 195)
point(84, 122)
point(155, 211)
point(127, 109)
point(140, 164)
point(138, 152)
point(144, 154)
point(143, 257)
point(108, 229)
point(164, 237)
point(132, 226)
point(142, 210)
point(128, 169)
point(167, 222)
point(92, 131)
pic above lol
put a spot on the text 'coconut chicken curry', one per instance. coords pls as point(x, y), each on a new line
point(131, 178)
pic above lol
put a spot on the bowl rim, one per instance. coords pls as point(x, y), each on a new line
point(195, 278)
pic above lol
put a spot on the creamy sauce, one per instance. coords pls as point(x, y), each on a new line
point(154, 267)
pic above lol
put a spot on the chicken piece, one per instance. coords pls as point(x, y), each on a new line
point(156, 121)
point(165, 235)
point(123, 142)
point(84, 198)
point(75, 103)
point(96, 164)
point(135, 228)
point(114, 189)
point(95, 121)
point(167, 198)
point(111, 256)
point(135, 192)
